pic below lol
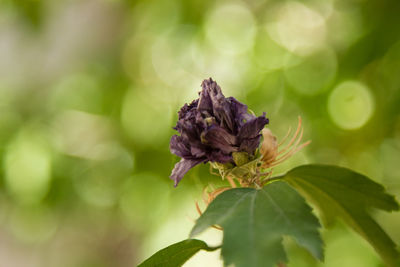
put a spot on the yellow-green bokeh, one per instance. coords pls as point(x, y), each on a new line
point(89, 94)
point(350, 105)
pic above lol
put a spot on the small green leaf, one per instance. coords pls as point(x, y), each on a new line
point(340, 192)
point(245, 171)
point(222, 168)
point(240, 158)
point(177, 254)
point(254, 222)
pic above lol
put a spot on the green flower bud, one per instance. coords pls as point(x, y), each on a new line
point(240, 158)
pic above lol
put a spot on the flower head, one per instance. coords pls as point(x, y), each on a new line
point(211, 128)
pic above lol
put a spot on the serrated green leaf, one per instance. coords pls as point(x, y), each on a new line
point(254, 222)
point(340, 192)
point(177, 254)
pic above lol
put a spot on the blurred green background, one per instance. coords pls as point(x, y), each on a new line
point(89, 93)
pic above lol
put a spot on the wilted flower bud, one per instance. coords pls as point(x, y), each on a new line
point(211, 128)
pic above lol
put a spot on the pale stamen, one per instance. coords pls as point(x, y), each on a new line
point(230, 180)
point(293, 138)
point(286, 136)
point(290, 149)
point(291, 152)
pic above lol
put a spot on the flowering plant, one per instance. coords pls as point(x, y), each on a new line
point(257, 209)
point(214, 129)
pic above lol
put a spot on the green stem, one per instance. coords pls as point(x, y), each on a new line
point(213, 248)
point(279, 177)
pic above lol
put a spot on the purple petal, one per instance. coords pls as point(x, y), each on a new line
point(182, 167)
point(219, 156)
point(198, 151)
point(219, 138)
point(179, 146)
point(252, 128)
point(189, 129)
point(205, 103)
point(186, 109)
point(211, 92)
point(240, 113)
point(250, 145)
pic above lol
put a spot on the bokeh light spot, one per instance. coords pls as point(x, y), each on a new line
point(268, 54)
point(73, 92)
point(298, 28)
point(231, 28)
point(145, 122)
point(28, 168)
point(345, 27)
point(136, 198)
point(99, 182)
point(350, 105)
point(314, 73)
point(173, 63)
point(97, 189)
point(84, 135)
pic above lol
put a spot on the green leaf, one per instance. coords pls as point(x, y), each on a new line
point(340, 192)
point(254, 222)
point(177, 254)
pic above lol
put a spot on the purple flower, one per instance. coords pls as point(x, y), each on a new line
point(211, 128)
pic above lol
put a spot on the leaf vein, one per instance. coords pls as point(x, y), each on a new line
point(277, 208)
